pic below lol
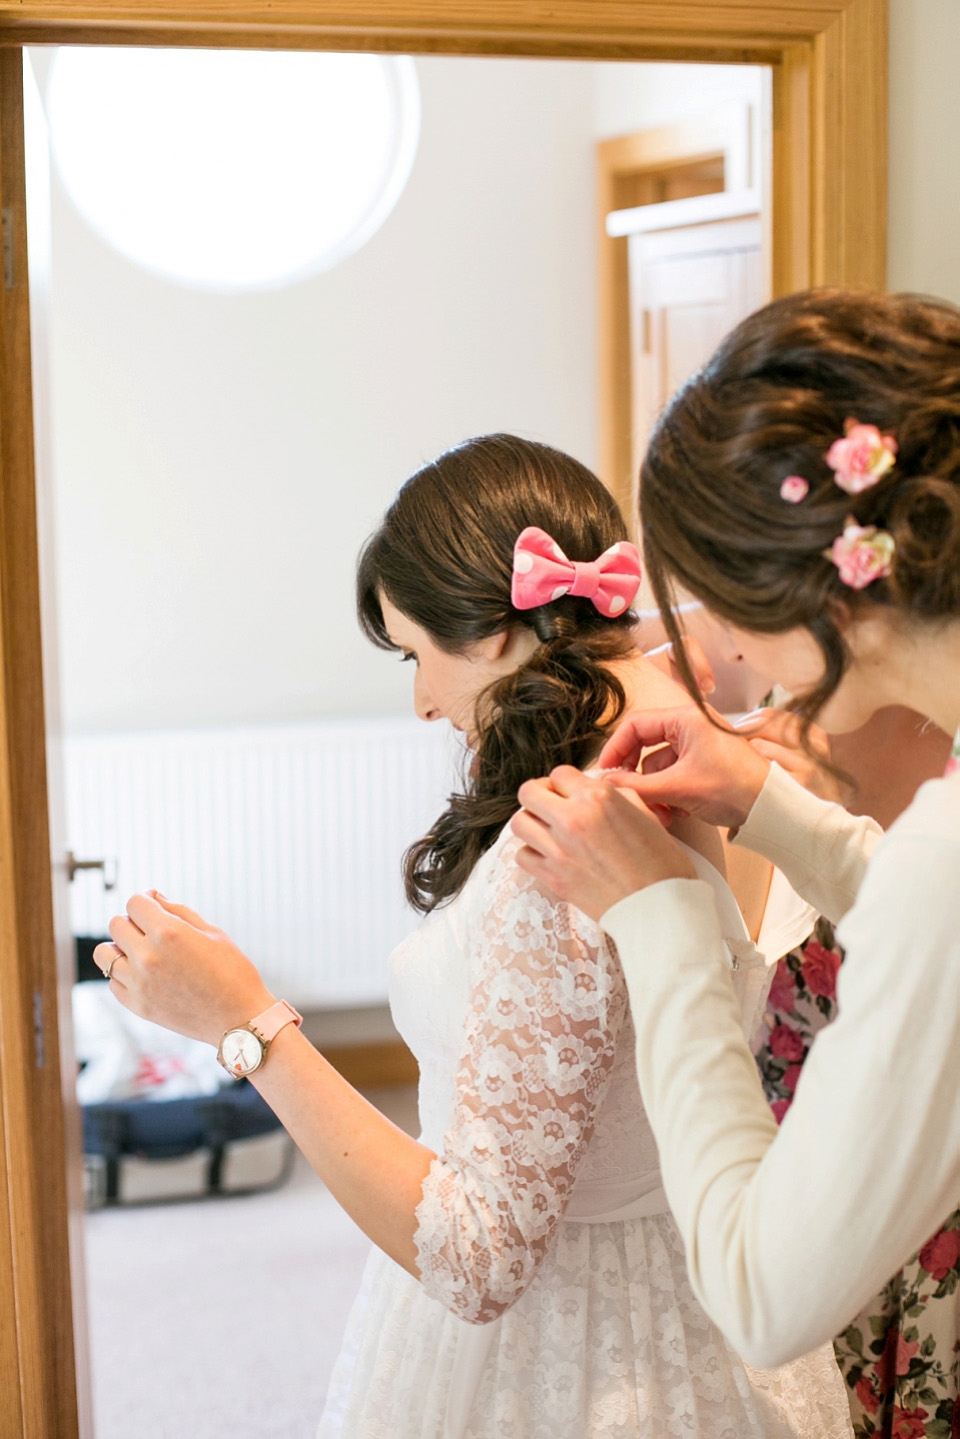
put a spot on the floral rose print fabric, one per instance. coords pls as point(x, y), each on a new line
point(900, 1357)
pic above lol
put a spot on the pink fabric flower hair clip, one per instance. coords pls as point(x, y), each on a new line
point(862, 554)
point(861, 458)
point(794, 489)
point(542, 572)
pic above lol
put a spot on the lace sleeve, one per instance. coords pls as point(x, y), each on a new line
point(538, 1049)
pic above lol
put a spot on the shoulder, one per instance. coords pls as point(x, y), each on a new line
point(508, 910)
point(531, 950)
point(921, 849)
point(932, 817)
point(908, 907)
point(514, 886)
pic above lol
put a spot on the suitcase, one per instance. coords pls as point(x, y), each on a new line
point(142, 1150)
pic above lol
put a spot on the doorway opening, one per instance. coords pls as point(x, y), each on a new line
point(654, 329)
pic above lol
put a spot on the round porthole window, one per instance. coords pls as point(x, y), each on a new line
point(233, 170)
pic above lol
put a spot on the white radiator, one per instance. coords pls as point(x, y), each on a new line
point(288, 837)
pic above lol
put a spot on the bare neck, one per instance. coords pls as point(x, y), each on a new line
point(913, 664)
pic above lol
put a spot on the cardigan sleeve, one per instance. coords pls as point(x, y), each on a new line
point(789, 1232)
point(822, 850)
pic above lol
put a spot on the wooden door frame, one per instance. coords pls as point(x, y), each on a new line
point(829, 66)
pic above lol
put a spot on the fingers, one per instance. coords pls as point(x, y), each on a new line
point(659, 759)
point(132, 935)
point(107, 957)
point(700, 664)
point(782, 727)
point(635, 787)
point(657, 789)
point(568, 782)
point(144, 912)
point(147, 911)
point(136, 931)
point(776, 753)
point(127, 936)
point(546, 872)
point(183, 912)
point(636, 732)
point(534, 833)
point(542, 798)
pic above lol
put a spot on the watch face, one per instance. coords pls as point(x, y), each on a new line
point(241, 1052)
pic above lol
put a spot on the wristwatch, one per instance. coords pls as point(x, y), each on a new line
point(243, 1050)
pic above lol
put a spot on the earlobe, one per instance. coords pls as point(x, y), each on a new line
point(841, 614)
point(494, 645)
point(507, 648)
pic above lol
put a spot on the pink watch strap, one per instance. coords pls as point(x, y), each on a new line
point(269, 1024)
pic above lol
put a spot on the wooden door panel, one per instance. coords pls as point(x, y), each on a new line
point(33, 1121)
point(687, 290)
point(687, 280)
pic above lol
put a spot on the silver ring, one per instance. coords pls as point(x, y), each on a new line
point(109, 969)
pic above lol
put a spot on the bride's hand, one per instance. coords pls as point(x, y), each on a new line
point(179, 971)
point(592, 844)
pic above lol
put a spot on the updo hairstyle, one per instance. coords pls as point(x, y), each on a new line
point(769, 404)
point(444, 557)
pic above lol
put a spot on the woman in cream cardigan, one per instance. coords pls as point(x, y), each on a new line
point(805, 486)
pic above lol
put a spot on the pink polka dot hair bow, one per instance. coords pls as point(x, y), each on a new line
point(542, 572)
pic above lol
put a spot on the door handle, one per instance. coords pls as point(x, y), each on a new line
point(107, 866)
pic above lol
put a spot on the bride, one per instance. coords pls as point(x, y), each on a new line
point(529, 1282)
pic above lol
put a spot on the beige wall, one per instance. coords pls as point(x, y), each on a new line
point(925, 147)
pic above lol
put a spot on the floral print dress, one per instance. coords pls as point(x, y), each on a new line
point(900, 1357)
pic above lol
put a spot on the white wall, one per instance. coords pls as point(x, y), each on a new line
point(221, 458)
point(638, 97)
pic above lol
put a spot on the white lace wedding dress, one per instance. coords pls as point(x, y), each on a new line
point(554, 1302)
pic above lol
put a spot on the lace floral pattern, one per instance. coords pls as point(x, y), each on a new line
point(539, 1048)
point(530, 1322)
point(608, 1342)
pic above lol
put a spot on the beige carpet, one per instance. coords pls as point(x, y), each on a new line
point(222, 1319)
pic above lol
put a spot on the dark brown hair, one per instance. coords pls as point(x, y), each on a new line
point(444, 557)
point(769, 404)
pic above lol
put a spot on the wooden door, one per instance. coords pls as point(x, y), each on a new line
point(689, 285)
point(38, 1114)
point(39, 284)
point(725, 148)
point(695, 268)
